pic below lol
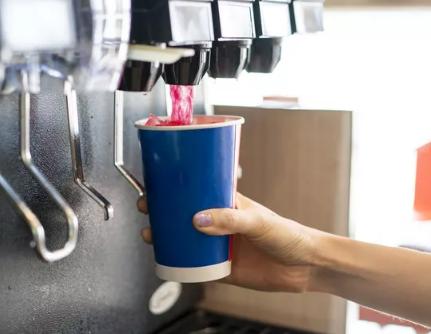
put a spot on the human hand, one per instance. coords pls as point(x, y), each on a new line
point(270, 253)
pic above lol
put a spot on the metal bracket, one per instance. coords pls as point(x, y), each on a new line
point(75, 147)
point(34, 223)
point(119, 141)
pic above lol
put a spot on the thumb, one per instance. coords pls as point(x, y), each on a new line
point(228, 221)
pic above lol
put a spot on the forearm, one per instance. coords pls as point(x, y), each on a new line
point(391, 280)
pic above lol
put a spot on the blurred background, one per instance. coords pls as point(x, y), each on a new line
point(374, 59)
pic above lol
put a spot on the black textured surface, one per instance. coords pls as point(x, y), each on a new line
point(105, 285)
point(200, 322)
point(153, 21)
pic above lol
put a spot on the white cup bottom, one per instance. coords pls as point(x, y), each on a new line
point(194, 275)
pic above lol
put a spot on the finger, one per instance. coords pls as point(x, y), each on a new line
point(142, 205)
point(146, 235)
point(226, 221)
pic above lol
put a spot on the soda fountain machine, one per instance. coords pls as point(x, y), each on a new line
point(74, 76)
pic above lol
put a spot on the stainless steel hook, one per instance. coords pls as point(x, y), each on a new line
point(26, 158)
point(75, 147)
point(33, 222)
point(118, 145)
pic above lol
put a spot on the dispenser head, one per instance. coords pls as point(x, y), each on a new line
point(189, 71)
point(178, 24)
point(272, 19)
point(229, 58)
point(139, 76)
point(265, 55)
point(234, 30)
point(146, 63)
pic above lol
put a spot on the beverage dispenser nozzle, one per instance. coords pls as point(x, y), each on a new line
point(189, 71)
point(229, 58)
point(170, 24)
point(265, 55)
point(272, 22)
point(146, 63)
point(234, 30)
point(277, 19)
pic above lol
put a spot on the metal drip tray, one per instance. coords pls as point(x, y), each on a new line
point(200, 322)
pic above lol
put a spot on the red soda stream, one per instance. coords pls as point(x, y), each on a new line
point(182, 108)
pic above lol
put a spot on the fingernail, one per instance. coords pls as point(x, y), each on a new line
point(203, 219)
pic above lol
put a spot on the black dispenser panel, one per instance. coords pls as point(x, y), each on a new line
point(191, 22)
point(172, 22)
point(200, 322)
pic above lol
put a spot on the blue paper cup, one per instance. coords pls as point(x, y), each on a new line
point(188, 169)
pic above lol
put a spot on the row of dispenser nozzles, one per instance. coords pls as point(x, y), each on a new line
point(88, 41)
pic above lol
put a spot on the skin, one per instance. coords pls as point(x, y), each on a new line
point(293, 258)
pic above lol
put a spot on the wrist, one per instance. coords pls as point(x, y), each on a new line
point(323, 272)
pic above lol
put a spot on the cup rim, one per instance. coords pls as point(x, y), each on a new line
point(229, 121)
